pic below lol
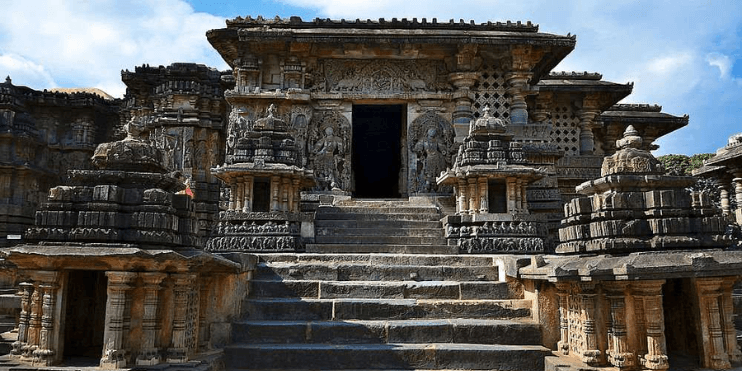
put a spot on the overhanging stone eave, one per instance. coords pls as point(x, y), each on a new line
point(490, 172)
point(639, 181)
point(652, 265)
point(611, 93)
point(726, 157)
point(118, 257)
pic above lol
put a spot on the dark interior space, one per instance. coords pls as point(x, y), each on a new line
point(85, 314)
point(497, 196)
point(680, 330)
point(377, 132)
point(261, 195)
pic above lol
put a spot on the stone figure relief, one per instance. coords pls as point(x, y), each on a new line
point(381, 76)
point(431, 142)
point(330, 151)
point(239, 124)
point(300, 120)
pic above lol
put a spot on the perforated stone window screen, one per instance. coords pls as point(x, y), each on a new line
point(566, 130)
point(490, 90)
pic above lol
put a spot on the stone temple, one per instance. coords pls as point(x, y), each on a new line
point(391, 194)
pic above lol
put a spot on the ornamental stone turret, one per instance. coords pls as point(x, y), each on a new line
point(634, 207)
point(265, 178)
point(489, 181)
point(636, 247)
point(129, 198)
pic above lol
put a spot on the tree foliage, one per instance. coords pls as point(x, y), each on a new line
point(682, 164)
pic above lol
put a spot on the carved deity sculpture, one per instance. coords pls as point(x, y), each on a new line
point(431, 140)
point(431, 153)
point(329, 153)
point(328, 148)
point(237, 128)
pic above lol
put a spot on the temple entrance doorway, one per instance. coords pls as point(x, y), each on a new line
point(377, 150)
point(680, 332)
point(85, 314)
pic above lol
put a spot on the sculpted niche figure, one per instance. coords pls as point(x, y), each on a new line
point(329, 154)
point(431, 154)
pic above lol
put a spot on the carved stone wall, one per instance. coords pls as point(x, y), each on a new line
point(183, 112)
point(380, 77)
point(44, 134)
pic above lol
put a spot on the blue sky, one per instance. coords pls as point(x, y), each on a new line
point(684, 55)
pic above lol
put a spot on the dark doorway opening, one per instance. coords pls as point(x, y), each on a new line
point(497, 196)
point(680, 332)
point(377, 153)
point(261, 195)
point(85, 314)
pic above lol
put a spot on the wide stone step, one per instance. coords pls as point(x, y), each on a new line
point(377, 217)
point(388, 248)
point(381, 289)
point(370, 209)
point(323, 223)
point(365, 272)
point(386, 356)
point(479, 331)
point(284, 309)
point(384, 259)
point(381, 239)
point(375, 233)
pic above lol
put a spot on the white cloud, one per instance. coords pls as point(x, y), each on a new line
point(721, 61)
point(675, 52)
point(668, 65)
point(24, 72)
point(88, 43)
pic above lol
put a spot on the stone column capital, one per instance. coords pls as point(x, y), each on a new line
point(647, 288)
point(152, 278)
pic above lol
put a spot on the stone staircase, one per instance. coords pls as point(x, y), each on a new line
point(383, 311)
point(379, 226)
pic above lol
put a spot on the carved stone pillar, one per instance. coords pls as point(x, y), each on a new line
point(620, 354)
point(285, 189)
point(295, 199)
point(473, 196)
point(232, 197)
point(711, 326)
point(463, 98)
point(149, 354)
point(511, 195)
point(591, 353)
point(727, 309)
point(463, 203)
point(114, 353)
point(34, 322)
point(240, 197)
point(738, 194)
point(724, 198)
point(46, 354)
point(483, 196)
point(650, 294)
point(26, 290)
point(182, 287)
point(203, 324)
point(275, 192)
point(587, 123)
point(518, 88)
point(563, 290)
point(248, 194)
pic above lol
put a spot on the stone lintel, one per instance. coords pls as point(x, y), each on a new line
point(68, 256)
